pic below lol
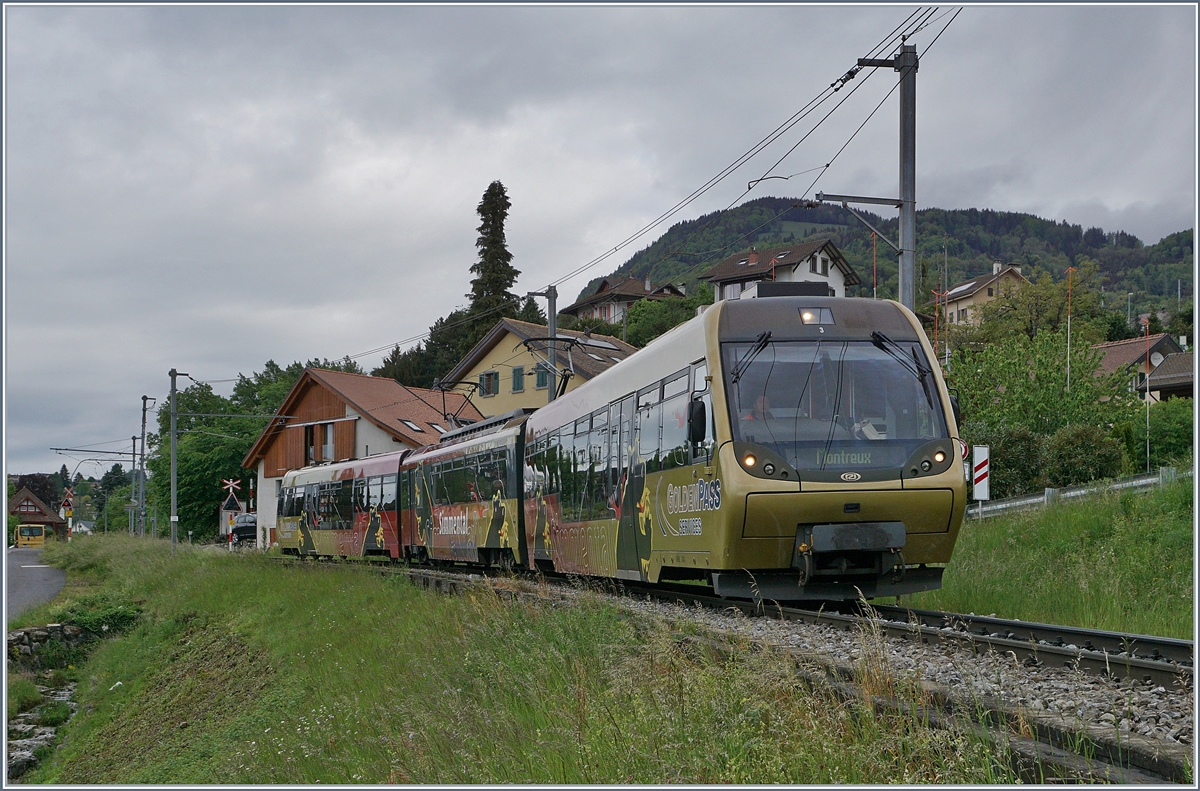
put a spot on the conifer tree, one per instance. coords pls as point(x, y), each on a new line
point(494, 272)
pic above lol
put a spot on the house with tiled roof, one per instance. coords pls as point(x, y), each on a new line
point(1137, 357)
point(963, 301)
point(30, 510)
point(510, 373)
point(816, 261)
point(612, 299)
point(1175, 377)
point(334, 416)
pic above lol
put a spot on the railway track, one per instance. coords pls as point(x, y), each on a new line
point(1042, 748)
point(1159, 660)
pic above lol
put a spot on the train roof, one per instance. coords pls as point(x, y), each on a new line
point(380, 464)
point(488, 426)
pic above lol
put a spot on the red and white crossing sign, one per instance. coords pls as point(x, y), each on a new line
point(981, 469)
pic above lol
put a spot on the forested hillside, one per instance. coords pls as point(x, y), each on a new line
point(963, 241)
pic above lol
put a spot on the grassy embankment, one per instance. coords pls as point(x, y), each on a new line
point(1120, 561)
point(241, 671)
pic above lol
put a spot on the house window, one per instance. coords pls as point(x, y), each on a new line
point(438, 429)
point(812, 265)
point(310, 445)
point(990, 292)
point(543, 378)
point(518, 381)
point(489, 383)
point(327, 445)
point(412, 425)
point(824, 266)
point(733, 291)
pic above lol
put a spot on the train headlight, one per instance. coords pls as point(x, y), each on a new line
point(749, 460)
point(939, 457)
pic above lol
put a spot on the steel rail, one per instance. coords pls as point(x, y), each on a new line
point(1139, 646)
point(1032, 650)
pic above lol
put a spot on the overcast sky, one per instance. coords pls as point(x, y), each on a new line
point(208, 188)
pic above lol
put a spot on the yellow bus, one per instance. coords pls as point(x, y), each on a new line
point(31, 536)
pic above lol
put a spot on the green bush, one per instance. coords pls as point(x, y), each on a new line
point(101, 613)
point(1078, 454)
point(1016, 458)
point(1170, 434)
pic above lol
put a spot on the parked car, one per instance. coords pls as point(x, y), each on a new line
point(244, 530)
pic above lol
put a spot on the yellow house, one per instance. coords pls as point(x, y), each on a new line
point(964, 299)
point(510, 375)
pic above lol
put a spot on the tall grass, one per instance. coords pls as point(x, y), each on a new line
point(241, 671)
point(1119, 561)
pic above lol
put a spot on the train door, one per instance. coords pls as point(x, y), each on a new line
point(308, 520)
point(628, 493)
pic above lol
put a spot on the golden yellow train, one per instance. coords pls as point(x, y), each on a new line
point(777, 448)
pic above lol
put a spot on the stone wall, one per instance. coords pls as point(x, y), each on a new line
point(25, 644)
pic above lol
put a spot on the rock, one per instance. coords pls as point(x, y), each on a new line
point(26, 650)
point(1124, 725)
point(1108, 718)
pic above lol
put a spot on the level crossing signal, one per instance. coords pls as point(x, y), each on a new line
point(981, 472)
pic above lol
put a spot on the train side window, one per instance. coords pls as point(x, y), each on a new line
point(360, 495)
point(598, 475)
point(345, 505)
point(701, 392)
point(649, 424)
point(403, 485)
point(675, 384)
point(673, 450)
point(389, 493)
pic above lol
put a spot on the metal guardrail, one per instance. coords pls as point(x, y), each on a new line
point(1136, 483)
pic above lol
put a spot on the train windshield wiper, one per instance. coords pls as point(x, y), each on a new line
point(743, 364)
point(913, 366)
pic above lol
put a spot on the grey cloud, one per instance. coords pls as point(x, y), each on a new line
point(208, 187)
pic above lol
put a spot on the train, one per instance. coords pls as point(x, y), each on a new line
point(779, 448)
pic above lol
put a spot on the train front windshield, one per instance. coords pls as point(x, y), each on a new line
point(833, 405)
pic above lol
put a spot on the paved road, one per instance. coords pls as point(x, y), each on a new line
point(29, 581)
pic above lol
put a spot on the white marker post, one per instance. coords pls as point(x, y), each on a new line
point(981, 475)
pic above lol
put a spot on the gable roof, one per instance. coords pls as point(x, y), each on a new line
point(1176, 370)
point(756, 264)
point(968, 287)
point(629, 289)
point(583, 357)
point(1132, 351)
point(380, 400)
point(47, 514)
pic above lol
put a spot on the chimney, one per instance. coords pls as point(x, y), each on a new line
point(647, 281)
point(683, 289)
point(1183, 342)
point(1017, 269)
point(753, 257)
point(996, 267)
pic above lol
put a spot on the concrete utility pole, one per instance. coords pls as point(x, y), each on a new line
point(174, 467)
point(133, 488)
point(905, 62)
point(142, 472)
point(551, 295)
